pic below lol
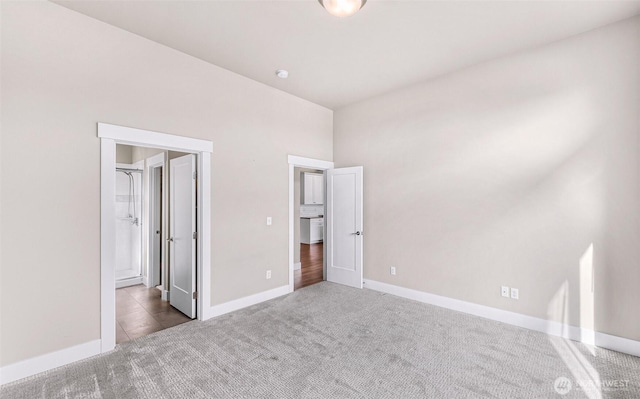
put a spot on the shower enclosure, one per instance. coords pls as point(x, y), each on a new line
point(128, 226)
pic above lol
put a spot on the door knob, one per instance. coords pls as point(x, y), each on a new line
point(357, 233)
point(157, 231)
point(170, 239)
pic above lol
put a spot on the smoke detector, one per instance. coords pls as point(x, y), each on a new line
point(282, 74)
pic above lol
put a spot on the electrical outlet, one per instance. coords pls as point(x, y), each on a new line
point(515, 293)
point(268, 274)
point(393, 270)
point(504, 291)
point(269, 220)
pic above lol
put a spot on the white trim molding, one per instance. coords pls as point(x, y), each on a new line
point(550, 327)
point(38, 364)
point(204, 234)
point(131, 281)
point(618, 344)
point(297, 266)
point(237, 304)
point(147, 138)
point(310, 163)
point(300, 162)
point(107, 244)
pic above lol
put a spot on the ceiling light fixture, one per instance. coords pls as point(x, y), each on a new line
point(342, 8)
point(282, 74)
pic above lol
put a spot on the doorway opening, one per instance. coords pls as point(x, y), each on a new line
point(148, 214)
point(309, 226)
point(342, 226)
point(306, 221)
point(173, 219)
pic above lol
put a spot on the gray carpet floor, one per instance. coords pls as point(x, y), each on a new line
point(330, 341)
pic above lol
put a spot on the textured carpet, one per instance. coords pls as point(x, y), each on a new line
point(330, 341)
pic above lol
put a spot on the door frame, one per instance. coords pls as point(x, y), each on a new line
point(157, 162)
point(309, 163)
point(110, 135)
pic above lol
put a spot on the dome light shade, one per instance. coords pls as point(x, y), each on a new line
point(342, 8)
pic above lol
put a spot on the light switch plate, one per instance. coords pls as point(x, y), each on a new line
point(269, 220)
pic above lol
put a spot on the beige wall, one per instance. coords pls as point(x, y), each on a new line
point(63, 72)
point(124, 153)
point(505, 174)
point(142, 153)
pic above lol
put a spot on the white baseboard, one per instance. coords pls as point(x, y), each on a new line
point(297, 266)
point(236, 304)
point(164, 294)
point(128, 282)
point(38, 364)
point(618, 344)
point(550, 327)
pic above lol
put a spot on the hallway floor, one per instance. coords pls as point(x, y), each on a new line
point(141, 311)
point(311, 270)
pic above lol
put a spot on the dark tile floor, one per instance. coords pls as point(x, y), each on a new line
point(141, 311)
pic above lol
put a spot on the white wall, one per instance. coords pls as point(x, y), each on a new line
point(506, 173)
point(63, 72)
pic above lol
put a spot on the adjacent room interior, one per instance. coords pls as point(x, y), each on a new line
point(309, 229)
point(144, 241)
point(275, 199)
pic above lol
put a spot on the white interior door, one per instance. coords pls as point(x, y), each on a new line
point(344, 226)
point(182, 229)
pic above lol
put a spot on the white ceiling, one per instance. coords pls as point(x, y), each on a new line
point(333, 61)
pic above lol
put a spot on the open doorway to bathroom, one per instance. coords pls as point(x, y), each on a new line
point(308, 227)
point(143, 241)
point(129, 223)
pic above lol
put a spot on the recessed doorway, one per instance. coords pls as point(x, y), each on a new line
point(312, 254)
point(152, 203)
point(309, 227)
point(342, 227)
point(193, 275)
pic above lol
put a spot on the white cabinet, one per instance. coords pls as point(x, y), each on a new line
point(312, 188)
point(311, 230)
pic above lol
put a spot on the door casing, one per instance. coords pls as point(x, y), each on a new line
point(310, 163)
point(153, 164)
point(110, 135)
